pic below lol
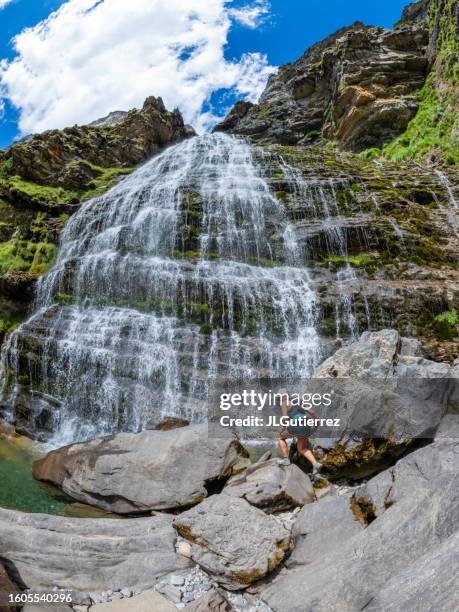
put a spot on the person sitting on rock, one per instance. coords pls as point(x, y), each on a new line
point(300, 433)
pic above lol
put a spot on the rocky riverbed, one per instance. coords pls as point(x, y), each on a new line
point(206, 529)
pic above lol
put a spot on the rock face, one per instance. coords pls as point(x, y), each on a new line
point(383, 390)
point(380, 566)
point(152, 470)
point(355, 87)
point(64, 158)
point(44, 178)
point(322, 528)
point(232, 540)
point(272, 487)
point(85, 555)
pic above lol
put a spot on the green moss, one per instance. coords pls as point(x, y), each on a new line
point(102, 183)
point(372, 153)
point(64, 298)
point(8, 325)
point(200, 308)
point(281, 195)
point(49, 196)
point(358, 261)
point(26, 256)
point(206, 329)
point(445, 324)
point(6, 167)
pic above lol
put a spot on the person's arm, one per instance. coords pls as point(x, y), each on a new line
point(313, 413)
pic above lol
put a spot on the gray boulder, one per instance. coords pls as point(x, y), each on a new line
point(374, 564)
point(429, 583)
point(322, 528)
point(211, 601)
point(87, 555)
point(232, 540)
point(382, 389)
point(272, 487)
point(152, 470)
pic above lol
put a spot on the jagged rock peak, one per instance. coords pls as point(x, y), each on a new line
point(60, 157)
point(356, 87)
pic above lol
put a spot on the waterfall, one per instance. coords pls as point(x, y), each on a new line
point(185, 273)
point(319, 198)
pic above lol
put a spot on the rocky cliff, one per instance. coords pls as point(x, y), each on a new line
point(380, 240)
point(391, 97)
point(363, 86)
point(355, 88)
point(45, 177)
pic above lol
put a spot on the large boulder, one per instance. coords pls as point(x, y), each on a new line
point(235, 542)
point(136, 473)
point(87, 556)
point(322, 528)
point(385, 394)
point(272, 487)
point(374, 565)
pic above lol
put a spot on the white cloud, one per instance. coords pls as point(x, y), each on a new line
point(3, 3)
point(252, 15)
point(94, 56)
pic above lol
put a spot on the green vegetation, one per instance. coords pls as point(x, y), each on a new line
point(370, 154)
point(45, 195)
point(445, 324)
point(18, 255)
point(8, 325)
point(206, 329)
point(56, 197)
point(433, 130)
point(362, 260)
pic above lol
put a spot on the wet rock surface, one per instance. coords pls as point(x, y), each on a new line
point(152, 470)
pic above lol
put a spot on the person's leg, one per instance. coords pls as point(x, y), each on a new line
point(283, 446)
point(302, 445)
point(281, 440)
point(303, 449)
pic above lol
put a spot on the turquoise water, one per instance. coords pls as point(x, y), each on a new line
point(18, 489)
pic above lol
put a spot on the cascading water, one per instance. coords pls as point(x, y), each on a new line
point(185, 272)
point(321, 200)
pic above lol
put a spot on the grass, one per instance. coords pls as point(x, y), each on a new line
point(362, 260)
point(430, 129)
point(26, 256)
point(433, 130)
point(445, 324)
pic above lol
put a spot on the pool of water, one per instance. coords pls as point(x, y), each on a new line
point(18, 489)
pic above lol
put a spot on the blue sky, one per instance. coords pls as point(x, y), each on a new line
point(97, 55)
